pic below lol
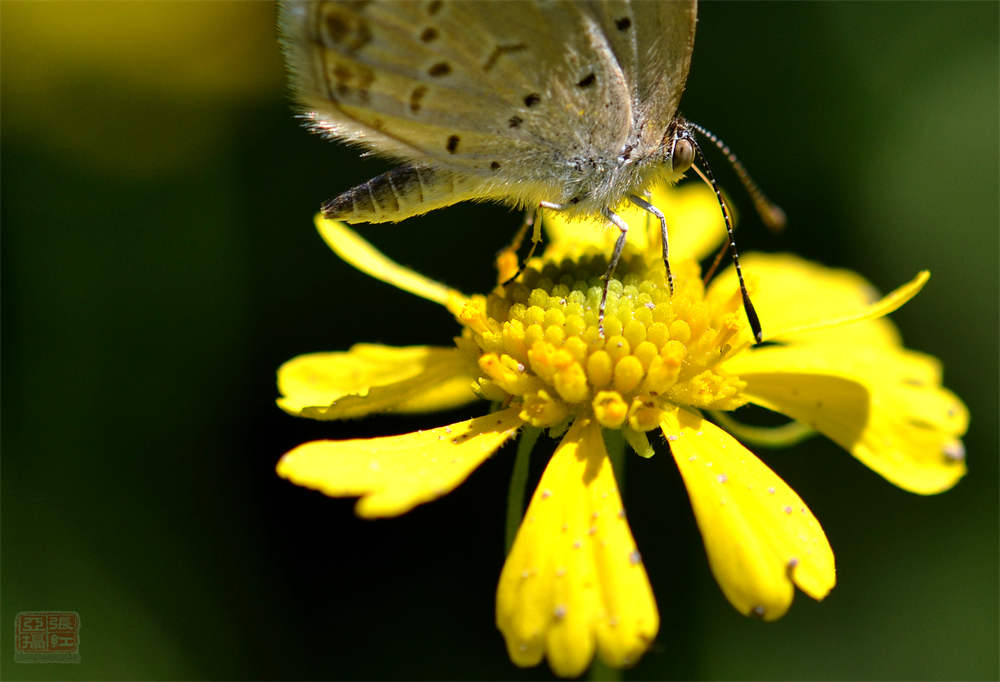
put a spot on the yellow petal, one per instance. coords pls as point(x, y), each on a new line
point(885, 406)
point(761, 538)
point(574, 579)
point(694, 225)
point(805, 302)
point(393, 474)
point(347, 244)
point(371, 378)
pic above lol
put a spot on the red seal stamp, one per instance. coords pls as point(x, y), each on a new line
point(47, 637)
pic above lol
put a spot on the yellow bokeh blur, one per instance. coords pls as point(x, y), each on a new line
point(163, 67)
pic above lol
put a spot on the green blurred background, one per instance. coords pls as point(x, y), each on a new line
point(159, 263)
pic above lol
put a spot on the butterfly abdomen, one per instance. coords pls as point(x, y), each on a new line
point(400, 193)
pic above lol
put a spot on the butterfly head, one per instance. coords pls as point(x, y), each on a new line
point(680, 146)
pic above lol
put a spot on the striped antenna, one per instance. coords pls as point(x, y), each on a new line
point(770, 213)
point(701, 166)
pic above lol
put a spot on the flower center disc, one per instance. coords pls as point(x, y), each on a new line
point(539, 342)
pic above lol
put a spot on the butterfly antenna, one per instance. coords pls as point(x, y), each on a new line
point(770, 213)
point(701, 167)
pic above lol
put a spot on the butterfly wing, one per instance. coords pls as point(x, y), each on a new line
point(653, 42)
point(479, 88)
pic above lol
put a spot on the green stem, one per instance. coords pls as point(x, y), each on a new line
point(782, 436)
point(518, 482)
point(601, 673)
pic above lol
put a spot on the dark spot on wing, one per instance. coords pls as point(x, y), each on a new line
point(428, 34)
point(343, 75)
point(587, 80)
point(362, 37)
point(623, 24)
point(515, 121)
point(440, 69)
point(495, 166)
point(575, 200)
point(532, 99)
point(336, 27)
point(343, 29)
point(502, 50)
point(415, 97)
point(434, 6)
point(351, 81)
point(365, 78)
point(452, 145)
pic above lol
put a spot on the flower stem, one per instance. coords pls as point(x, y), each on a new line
point(518, 482)
point(783, 436)
point(599, 672)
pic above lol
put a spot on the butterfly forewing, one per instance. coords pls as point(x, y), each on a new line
point(468, 85)
point(664, 32)
point(525, 101)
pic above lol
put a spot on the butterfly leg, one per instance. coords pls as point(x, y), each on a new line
point(615, 257)
point(536, 233)
point(530, 220)
point(710, 273)
point(507, 259)
point(649, 208)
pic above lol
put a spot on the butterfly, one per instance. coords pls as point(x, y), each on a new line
point(562, 105)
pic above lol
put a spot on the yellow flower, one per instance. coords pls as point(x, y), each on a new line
point(574, 583)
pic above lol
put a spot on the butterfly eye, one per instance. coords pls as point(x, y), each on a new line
point(682, 156)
